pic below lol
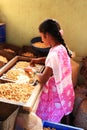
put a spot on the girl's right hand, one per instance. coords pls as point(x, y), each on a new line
point(40, 60)
point(33, 61)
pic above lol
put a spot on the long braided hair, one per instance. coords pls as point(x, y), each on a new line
point(53, 28)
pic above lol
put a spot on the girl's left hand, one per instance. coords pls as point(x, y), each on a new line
point(28, 69)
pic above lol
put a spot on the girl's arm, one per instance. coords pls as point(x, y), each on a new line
point(43, 77)
point(40, 60)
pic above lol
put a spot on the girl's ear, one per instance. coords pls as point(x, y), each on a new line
point(61, 31)
point(44, 35)
point(47, 35)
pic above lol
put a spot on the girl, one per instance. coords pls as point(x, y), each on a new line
point(57, 97)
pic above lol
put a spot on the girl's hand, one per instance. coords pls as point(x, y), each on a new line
point(37, 61)
point(28, 69)
point(33, 61)
point(31, 71)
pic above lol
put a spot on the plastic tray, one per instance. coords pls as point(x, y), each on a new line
point(59, 126)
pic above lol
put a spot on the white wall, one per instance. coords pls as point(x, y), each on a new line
point(22, 18)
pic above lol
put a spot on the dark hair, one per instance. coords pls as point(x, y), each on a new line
point(53, 28)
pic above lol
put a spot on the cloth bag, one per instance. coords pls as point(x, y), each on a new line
point(29, 121)
point(25, 121)
point(8, 124)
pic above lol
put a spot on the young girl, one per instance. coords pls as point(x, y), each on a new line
point(57, 97)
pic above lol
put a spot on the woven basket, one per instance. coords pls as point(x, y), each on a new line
point(81, 117)
point(77, 103)
point(80, 95)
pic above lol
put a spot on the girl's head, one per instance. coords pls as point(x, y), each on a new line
point(50, 30)
point(50, 27)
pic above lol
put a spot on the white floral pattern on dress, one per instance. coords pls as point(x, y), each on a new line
point(57, 97)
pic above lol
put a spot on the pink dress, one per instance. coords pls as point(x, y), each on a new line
point(57, 97)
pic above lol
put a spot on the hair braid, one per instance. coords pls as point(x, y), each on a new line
point(61, 40)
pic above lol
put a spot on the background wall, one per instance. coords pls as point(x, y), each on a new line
point(22, 18)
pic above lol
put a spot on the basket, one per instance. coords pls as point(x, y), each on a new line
point(27, 51)
point(81, 117)
point(36, 39)
point(42, 51)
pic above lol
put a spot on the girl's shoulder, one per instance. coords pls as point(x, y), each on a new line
point(58, 48)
